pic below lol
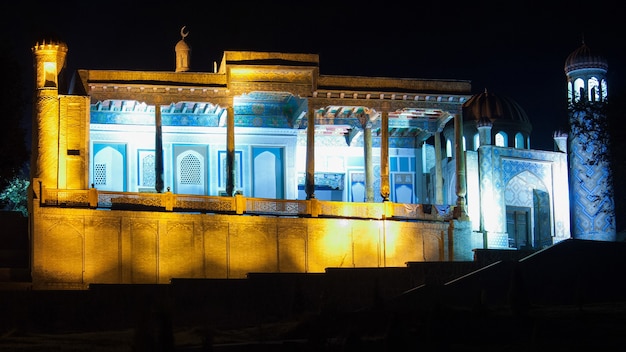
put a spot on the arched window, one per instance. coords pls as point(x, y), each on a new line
point(594, 89)
point(448, 149)
point(148, 171)
point(604, 93)
point(190, 173)
point(476, 141)
point(501, 139)
point(190, 170)
point(265, 182)
point(519, 141)
point(464, 149)
point(108, 168)
point(579, 85)
point(570, 92)
point(268, 172)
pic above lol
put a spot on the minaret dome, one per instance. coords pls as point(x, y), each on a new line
point(183, 51)
point(586, 75)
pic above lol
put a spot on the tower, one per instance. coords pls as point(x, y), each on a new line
point(60, 132)
point(591, 188)
point(182, 50)
point(49, 60)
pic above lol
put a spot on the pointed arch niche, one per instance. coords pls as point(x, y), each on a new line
point(268, 172)
point(528, 211)
point(190, 167)
point(109, 167)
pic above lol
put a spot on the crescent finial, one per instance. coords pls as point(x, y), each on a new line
point(182, 32)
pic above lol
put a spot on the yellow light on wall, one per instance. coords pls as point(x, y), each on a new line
point(336, 242)
point(49, 75)
point(242, 73)
point(390, 235)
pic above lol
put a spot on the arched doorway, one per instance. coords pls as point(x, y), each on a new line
point(528, 219)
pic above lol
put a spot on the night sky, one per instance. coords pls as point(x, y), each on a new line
point(514, 49)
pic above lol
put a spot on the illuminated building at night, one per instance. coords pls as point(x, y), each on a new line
point(262, 163)
point(593, 211)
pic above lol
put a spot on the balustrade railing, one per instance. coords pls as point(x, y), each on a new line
point(238, 204)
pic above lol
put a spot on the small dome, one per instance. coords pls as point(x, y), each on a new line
point(495, 108)
point(182, 46)
point(583, 58)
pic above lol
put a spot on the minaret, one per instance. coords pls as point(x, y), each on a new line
point(484, 126)
point(48, 61)
point(182, 53)
point(591, 187)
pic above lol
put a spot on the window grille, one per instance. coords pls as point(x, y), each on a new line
point(100, 174)
point(148, 172)
point(190, 170)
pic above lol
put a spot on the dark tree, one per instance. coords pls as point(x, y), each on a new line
point(14, 153)
point(617, 132)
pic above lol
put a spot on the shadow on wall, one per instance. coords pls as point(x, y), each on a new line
point(14, 247)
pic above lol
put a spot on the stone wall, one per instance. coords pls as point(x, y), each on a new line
point(73, 247)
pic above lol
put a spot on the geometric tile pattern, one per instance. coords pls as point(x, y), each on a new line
point(519, 191)
point(508, 176)
point(134, 113)
point(592, 199)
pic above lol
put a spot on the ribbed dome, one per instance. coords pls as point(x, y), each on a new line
point(182, 46)
point(494, 107)
point(583, 58)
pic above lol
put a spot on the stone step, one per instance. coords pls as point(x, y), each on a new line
point(15, 275)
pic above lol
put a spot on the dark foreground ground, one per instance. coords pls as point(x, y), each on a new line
point(569, 297)
point(599, 327)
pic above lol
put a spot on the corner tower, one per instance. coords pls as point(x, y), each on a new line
point(48, 61)
point(591, 187)
point(60, 132)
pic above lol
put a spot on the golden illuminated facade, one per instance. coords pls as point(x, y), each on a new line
point(261, 165)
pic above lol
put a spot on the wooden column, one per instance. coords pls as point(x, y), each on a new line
point(369, 166)
point(384, 154)
point(230, 151)
point(461, 188)
point(438, 170)
point(309, 181)
point(158, 150)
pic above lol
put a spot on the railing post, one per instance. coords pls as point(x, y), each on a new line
point(168, 198)
point(388, 209)
point(93, 197)
point(314, 207)
point(240, 204)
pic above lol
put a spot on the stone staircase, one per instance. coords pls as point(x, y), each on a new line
point(498, 288)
